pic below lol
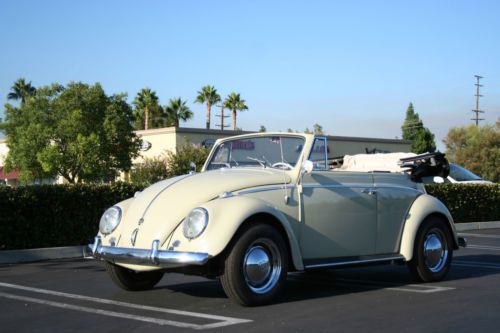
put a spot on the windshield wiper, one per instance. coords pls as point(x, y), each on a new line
point(261, 162)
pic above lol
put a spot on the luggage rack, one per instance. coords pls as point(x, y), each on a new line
point(426, 165)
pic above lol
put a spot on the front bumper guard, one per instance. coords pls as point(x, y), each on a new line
point(147, 257)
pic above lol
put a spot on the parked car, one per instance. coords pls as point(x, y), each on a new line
point(267, 204)
point(460, 174)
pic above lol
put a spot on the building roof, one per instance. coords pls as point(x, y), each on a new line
point(9, 175)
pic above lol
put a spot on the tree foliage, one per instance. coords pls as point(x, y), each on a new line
point(150, 171)
point(477, 148)
point(262, 129)
point(177, 110)
point(208, 94)
point(77, 132)
point(147, 110)
point(414, 130)
point(318, 129)
point(21, 90)
point(178, 162)
point(235, 103)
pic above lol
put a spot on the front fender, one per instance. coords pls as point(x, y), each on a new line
point(421, 208)
point(225, 217)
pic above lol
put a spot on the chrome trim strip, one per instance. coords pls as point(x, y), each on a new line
point(147, 257)
point(363, 186)
point(264, 189)
point(354, 262)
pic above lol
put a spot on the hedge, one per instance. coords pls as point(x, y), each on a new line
point(55, 215)
point(469, 202)
point(64, 215)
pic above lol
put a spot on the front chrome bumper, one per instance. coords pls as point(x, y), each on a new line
point(147, 257)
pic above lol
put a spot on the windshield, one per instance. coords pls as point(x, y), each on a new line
point(461, 175)
point(281, 152)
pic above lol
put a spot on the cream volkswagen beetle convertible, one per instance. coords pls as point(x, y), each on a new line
point(267, 204)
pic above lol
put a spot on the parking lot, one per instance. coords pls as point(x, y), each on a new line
point(77, 295)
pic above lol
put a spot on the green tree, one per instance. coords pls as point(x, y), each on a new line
point(307, 131)
point(148, 113)
point(318, 129)
point(234, 103)
point(262, 129)
point(477, 148)
point(178, 110)
point(413, 129)
point(77, 132)
point(208, 94)
point(21, 90)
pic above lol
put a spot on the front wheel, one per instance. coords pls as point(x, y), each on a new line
point(255, 266)
point(432, 252)
point(130, 280)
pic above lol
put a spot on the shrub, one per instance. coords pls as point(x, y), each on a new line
point(469, 202)
point(55, 215)
point(150, 171)
point(178, 163)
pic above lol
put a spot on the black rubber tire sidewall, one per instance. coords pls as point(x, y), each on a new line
point(131, 280)
point(232, 278)
point(417, 266)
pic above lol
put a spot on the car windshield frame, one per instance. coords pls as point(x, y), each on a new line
point(277, 151)
point(464, 174)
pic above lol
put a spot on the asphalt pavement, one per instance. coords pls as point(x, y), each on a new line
point(78, 296)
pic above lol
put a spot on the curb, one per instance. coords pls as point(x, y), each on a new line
point(477, 225)
point(48, 253)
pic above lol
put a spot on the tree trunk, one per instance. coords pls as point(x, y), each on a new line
point(222, 117)
point(177, 121)
point(146, 117)
point(234, 120)
point(209, 106)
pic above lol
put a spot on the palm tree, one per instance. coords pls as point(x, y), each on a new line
point(208, 94)
point(21, 90)
point(177, 109)
point(235, 103)
point(147, 109)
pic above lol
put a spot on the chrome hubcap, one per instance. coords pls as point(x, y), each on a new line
point(262, 266)
point(435, 250)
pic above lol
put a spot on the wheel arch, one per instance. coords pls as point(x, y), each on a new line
point(422, 208)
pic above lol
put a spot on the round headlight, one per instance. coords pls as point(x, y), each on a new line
point(110, 220)
point(195, 223)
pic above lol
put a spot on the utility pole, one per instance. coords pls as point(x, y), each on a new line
point(222, 116)
point(477, 111)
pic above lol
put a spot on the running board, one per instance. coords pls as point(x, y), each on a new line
point(351, 261)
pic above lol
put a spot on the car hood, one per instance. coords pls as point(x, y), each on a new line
point(156, 211)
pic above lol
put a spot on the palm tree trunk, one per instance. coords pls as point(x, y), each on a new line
point(222, 117)
point(146, 117)
point(207, 122)
point(176, 121)
point(234, 120)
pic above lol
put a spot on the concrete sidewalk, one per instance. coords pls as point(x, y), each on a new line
point(67, 252)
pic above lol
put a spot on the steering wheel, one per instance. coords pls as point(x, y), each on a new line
point(282, 165)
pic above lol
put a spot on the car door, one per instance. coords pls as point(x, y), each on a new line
point(339, 212)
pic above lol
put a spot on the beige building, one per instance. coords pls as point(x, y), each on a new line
point(156, 142)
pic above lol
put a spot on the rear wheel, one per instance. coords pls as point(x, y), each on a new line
point(432, 252)
point(131, 280)
point(255, 266)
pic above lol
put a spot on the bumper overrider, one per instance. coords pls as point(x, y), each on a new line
point(147, 257)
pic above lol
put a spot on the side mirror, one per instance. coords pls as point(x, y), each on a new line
point(438, 180)
point(192, 167)
point(307, 167)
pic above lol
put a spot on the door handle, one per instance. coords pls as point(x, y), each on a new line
point(369, 191)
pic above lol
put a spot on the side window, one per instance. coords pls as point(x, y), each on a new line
point(319, 154)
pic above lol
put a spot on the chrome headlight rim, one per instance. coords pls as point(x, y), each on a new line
point(188, 223)
point(110, 220)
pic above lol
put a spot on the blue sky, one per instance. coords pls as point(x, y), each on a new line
point(351, 66)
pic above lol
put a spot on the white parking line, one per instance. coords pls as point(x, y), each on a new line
point(222, 320)
point(483, 247)
point(475, 264)
point(478, 235)
point(412, 288)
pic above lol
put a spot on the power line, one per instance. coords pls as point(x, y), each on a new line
point(477, 111)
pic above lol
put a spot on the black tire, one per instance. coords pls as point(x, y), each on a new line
point(431, 265)
point(130, 280)
point(260, 283)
